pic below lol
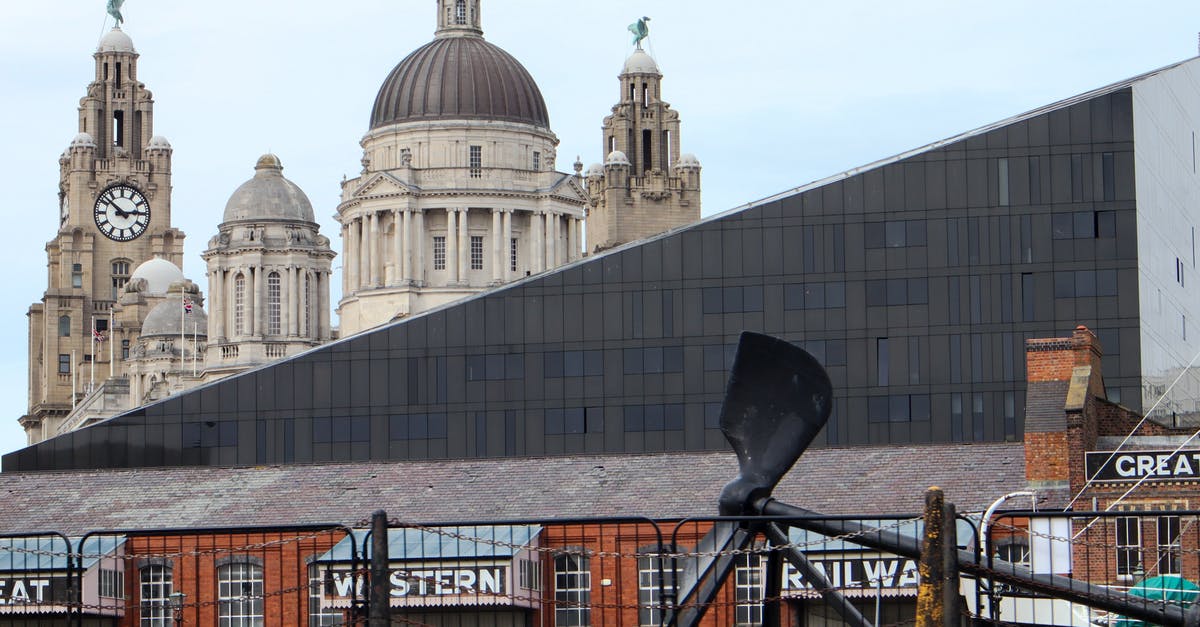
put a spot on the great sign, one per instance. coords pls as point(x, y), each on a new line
point(1138, 465)
point(32, 590)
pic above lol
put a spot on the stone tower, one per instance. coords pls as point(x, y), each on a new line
point(458, 190)
point(268, 274)
point(646, 186)
point(114, 214)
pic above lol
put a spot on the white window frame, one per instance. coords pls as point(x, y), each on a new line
point(240, 595)
point(572, 590)
point(748, 590)
point(274, 304)
point(439, 252)
point(1128, 545)
point(155, 585)
point(1170, 549)
point(239, 304)
point(476, 252)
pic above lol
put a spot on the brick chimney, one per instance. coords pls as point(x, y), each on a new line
point(1063, 375)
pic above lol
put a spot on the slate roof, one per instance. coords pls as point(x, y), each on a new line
point(870, 480)
point(1044, 406)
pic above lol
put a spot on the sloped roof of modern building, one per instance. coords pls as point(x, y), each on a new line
point(627, 352)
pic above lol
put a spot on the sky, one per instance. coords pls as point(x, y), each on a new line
point(772, 95)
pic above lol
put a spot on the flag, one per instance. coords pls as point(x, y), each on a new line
point(187, 305)
point(97, 335)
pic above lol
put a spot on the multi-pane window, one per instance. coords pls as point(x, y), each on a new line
point(476, 157)
point(572, 590)
point(64, 326)
point(120, 276)
point(512, 254)
point(530, 575)
point(155, 595)
point(476, 252)
point(1170, 548)
point(460, 12)
point(64, 364)
point(240, 595)
point(111, 583)
point(239, 304)
point(1129, 545)
point(124, 349)
point(76, 275)
point(747, 576)
point(537, 160)
point(273, 304)
point(656, 578)
point(439, 252)
point(318, 616)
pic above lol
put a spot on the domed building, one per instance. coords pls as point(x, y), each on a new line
point(268, 274)
point(458, 190)
point(646, 185)
point(168, 355)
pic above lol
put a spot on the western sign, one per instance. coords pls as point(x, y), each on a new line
point(427, 582)
point(1138, 465)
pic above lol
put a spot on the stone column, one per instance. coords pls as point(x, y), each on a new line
point(572, 239)
point(373, 250)
point(506, 246)
point(420, 235)
point(406, 255)
point(537, 250)
point(253, 299)
point(395, 267)
point(451, 246)
point(293, 313)
point(215, 306)
point(364, 253)
point(321, 288)
point(464, 245)
point(497, 248)
point(231, 298)
point(346, 249)
point(551, 240)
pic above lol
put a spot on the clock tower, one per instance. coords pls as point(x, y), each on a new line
point(114, 200)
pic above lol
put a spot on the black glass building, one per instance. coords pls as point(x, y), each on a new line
point(915, 280)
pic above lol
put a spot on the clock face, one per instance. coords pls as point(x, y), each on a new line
point(122, 213)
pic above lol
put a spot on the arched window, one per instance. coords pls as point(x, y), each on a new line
point(460, 12)
point(240, 595)
point(120, 276)
point(155, 595)
point(273, 307)
point(64, 326)
point(572, 589)
point(239, 304)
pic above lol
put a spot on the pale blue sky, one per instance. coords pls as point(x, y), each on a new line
point(772, 94)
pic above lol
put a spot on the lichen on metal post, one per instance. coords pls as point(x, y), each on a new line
point(930, 593)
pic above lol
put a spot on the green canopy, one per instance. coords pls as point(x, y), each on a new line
point(1171, 588)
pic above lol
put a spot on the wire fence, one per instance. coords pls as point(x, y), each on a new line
point(595, 571)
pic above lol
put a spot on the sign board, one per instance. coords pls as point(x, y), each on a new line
point(426, 584)
point(856, 570)
point(32, 590)
point(1139, 465)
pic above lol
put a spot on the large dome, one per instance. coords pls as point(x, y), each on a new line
point(159, 274)
point(167, 318)
point(459, 78)
point(268, 196)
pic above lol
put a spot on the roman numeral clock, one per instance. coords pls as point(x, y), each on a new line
point(122, 213)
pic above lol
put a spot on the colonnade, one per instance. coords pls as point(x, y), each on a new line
point(301, 307)
point(552, 240)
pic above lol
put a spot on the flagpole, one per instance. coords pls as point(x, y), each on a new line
point(74, 377)
point(195, 336)
point(92, 368)
point(182, 330)
point(111, 335)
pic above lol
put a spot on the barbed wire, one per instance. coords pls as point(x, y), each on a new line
point(258, 546)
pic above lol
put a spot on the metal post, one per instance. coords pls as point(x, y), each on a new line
point(950, 591)
point(773, 589)
point(930, 595)
point(379, 614)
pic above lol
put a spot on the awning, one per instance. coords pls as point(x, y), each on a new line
point(35, 575)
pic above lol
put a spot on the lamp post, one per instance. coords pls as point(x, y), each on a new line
point(177, 600)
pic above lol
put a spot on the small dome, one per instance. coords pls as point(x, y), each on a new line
point(640, 63)
point(595, 170)
point(268, 196)
point(159, 274)
point(687, 160)
point(83, 140)
point(116, 41)
point(459, 78)
point(616, 157)
point(158, 142)
point(167, 317)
